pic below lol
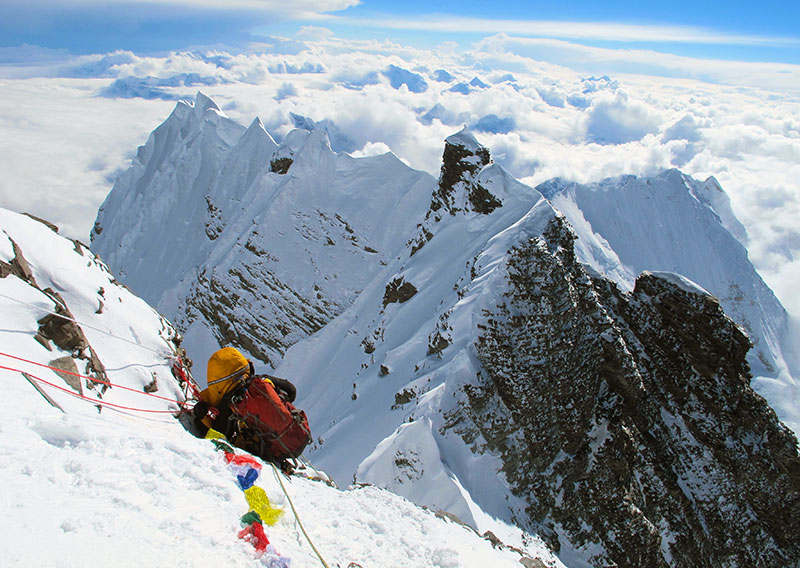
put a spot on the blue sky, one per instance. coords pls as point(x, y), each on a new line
point(744, 31)
point(714, 91)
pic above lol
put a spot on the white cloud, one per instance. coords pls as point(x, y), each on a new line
point(619, 119)
point(61, 146)
point(314, 33)
point(372, 149)
point(748, 138)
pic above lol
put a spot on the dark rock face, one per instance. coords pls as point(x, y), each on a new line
point(398, 290)
point(271, 316)
point(482, 200)
point(458, 190)
point(280, 165)
point(460, 166)
point(638, 441)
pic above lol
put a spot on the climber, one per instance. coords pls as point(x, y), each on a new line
point(254, 412)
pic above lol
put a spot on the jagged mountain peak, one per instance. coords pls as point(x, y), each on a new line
point(258, 127)
point(245, 210)
point(203, 103)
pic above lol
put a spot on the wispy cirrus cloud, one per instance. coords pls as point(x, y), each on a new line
point(300, 8)
point(604, 31)
point(602, 60)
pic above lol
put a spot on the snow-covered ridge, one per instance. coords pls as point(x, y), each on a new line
point(671, 222)
point(242, 231)
point(128, 487)
point(338, 272)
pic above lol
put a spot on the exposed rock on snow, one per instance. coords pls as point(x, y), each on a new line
point(644, 444)
point(459, 189)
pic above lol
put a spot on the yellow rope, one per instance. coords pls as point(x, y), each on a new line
point(296, 516)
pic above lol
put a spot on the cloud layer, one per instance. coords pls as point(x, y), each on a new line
point(69, 124)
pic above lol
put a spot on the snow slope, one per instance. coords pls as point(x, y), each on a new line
point(126, 487)
point(403, 390)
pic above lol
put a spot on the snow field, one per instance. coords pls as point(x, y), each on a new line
point(125, 491)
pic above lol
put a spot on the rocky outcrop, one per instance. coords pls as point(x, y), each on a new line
point(459, 188)
point(17, 266)
point(59, 326)
point(271, 316)
point(638, 441)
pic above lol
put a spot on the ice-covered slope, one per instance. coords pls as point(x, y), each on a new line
point(674, 223)
point(128, 486)
point(240, 241)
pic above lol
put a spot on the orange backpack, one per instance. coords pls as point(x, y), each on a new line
point(272, 427)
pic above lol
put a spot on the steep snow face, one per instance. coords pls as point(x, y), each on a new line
point(129, 486)
point(671, 222)
point(170, 182)
point(252, 243)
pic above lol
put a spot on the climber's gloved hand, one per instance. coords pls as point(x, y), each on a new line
point(201, 409)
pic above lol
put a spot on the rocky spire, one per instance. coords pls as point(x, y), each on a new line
point(459, 188)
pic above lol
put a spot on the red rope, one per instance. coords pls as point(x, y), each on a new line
point(180, 372)
point(92, 400)
point(94, 380)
